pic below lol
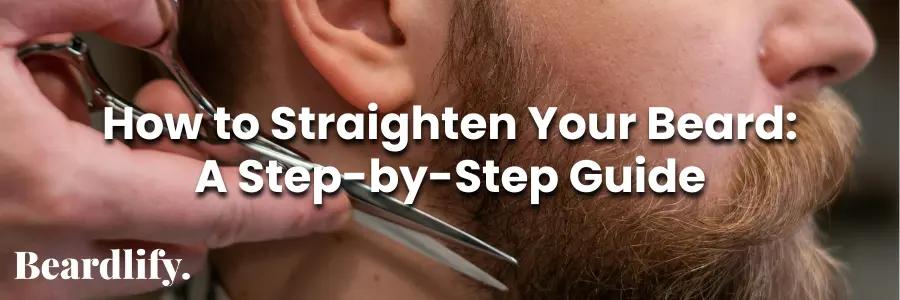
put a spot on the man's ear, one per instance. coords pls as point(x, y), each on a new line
point(356, 46)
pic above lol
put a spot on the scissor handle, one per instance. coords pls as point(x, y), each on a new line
point(99, 94)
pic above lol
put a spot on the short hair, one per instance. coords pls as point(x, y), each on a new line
point(217, 41)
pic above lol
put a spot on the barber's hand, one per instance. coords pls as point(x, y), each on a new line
point(67, 193)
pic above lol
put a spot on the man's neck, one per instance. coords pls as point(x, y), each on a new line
point(353, 264)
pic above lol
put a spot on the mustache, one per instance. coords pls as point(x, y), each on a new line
point(778, 185)
point(765, 230)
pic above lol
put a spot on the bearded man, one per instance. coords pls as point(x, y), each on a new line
point(749, 235)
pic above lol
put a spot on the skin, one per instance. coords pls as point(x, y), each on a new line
point(614, 56)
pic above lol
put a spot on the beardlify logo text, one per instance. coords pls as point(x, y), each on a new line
point(122, 264)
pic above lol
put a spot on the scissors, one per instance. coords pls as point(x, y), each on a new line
point(379, 212)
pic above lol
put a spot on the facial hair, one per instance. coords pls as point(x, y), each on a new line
point(759, 243)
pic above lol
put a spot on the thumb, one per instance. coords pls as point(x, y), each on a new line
point(164, 96)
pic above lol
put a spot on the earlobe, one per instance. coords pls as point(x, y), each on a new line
point(355, 45)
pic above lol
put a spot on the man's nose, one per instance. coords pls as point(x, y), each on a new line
point(814, 43)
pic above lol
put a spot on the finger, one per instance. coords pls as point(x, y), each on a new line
point(164, 96)
point(131, 22)
point(23, 101)
point(149, 195)
point(54, 79)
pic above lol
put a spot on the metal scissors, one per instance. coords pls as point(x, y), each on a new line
point(379, 212)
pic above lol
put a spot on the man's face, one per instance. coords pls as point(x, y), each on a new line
point(751, 225)
point(749, 234)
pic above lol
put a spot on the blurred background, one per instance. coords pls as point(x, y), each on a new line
point(862, 228)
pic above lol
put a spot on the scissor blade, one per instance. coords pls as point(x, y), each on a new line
point(427, 246)
point(394, 209)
